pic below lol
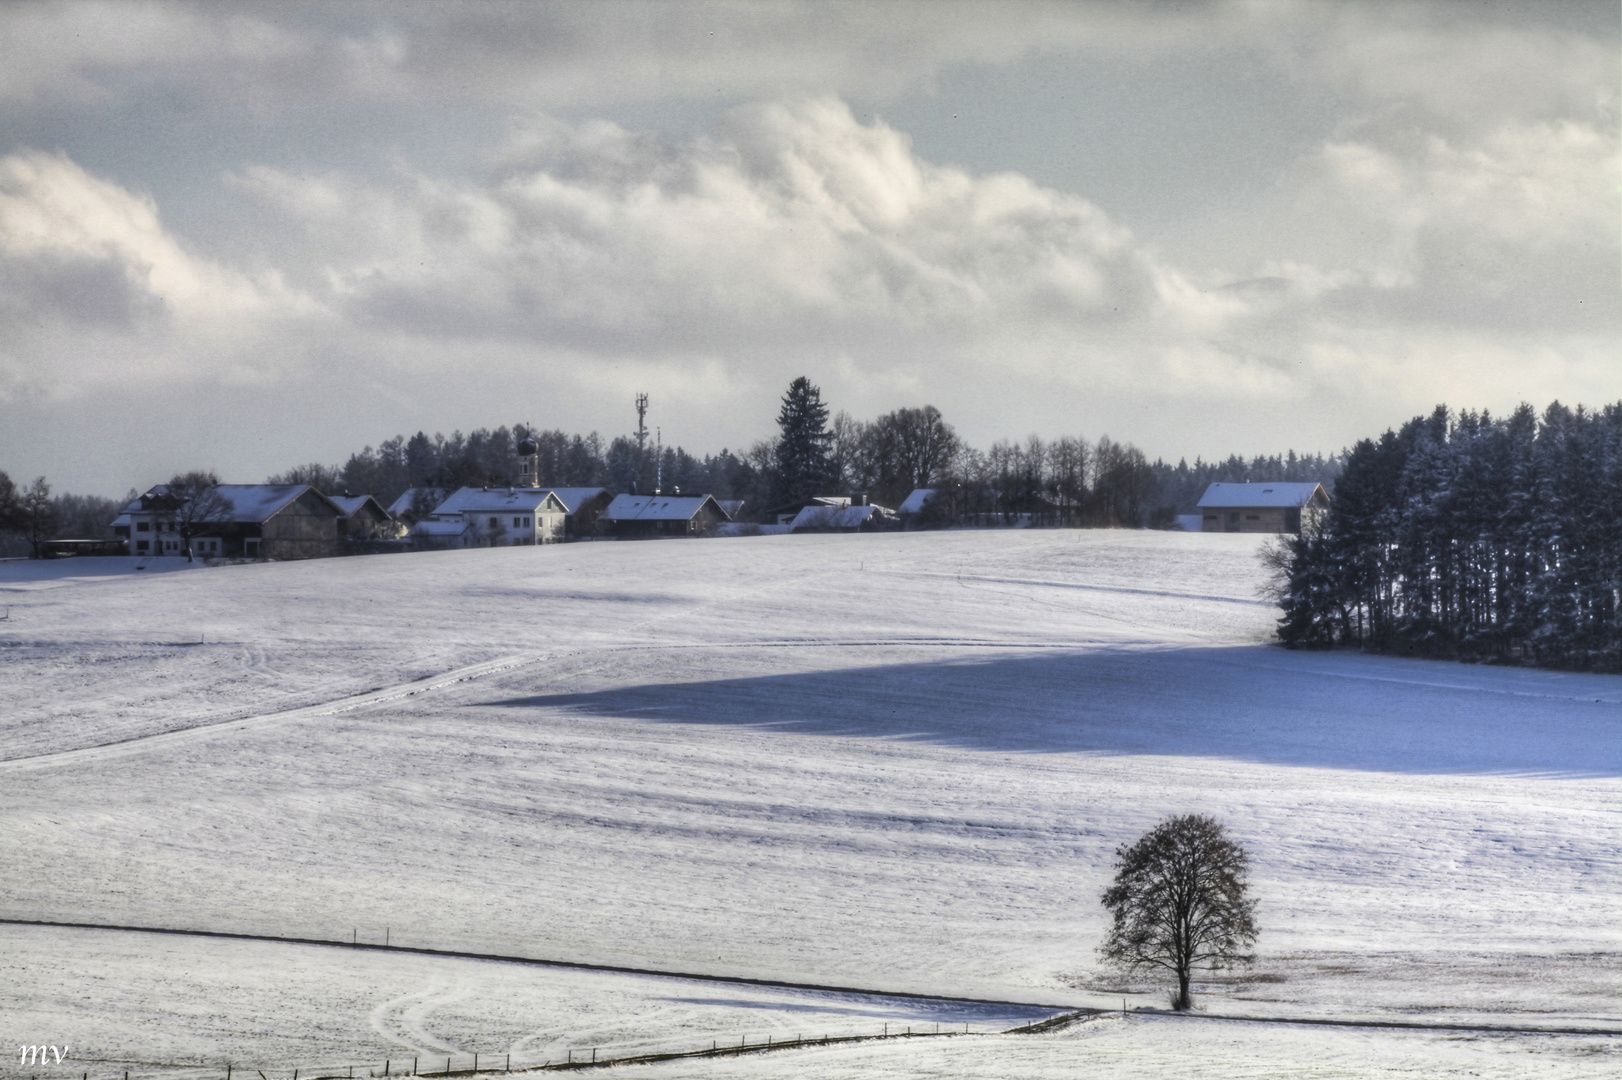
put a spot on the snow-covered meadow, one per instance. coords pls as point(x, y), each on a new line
point(900, 762)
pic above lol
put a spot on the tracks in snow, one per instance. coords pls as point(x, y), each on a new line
point(136, 743)
point(401, 691)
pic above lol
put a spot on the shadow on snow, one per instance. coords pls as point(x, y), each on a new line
point(1259, 704)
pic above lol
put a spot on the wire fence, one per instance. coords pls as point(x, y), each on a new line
point(482, 1064)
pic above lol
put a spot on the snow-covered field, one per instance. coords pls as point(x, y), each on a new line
point(900, 762)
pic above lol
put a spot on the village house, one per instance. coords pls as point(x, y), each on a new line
point(1261, 508)
point(493, 517)
point(254, 521)
point(640, 517)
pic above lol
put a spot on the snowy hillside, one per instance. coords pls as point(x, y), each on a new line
point(901, 762)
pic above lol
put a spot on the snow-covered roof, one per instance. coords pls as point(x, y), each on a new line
point(914, 503)
point(814, 500)
point(1221, 496)
point(500, 500)
point(573, 498)
point(253, 503)
point(659, 507)
point(351, 504)
point(260, 502)
point(837, 517)
point(404, 502)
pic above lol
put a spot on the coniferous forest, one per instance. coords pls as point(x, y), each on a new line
point(1469, 536)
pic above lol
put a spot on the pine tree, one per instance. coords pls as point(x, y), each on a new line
point(803, 458)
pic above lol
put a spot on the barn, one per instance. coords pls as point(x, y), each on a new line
point(1261, 508)
point(642, 517)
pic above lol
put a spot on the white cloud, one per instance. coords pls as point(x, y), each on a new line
point(1458, 211)
point(791, 221)
point(97, 291)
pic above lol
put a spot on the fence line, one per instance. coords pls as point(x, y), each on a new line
point(589, 1057)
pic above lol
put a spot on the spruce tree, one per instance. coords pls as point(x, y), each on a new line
point(803, 458)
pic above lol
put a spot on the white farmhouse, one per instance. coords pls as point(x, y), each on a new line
point(494, 517)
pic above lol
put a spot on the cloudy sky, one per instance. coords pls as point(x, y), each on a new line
point(250, 236)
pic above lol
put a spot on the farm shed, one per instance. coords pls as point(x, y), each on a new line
point(1260, 508)
point(434, 534)
point(641, 517)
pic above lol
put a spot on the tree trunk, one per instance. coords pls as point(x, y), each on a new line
point(1183, 1003)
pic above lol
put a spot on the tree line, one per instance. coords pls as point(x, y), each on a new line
point(1470, 536)
point(1065, 481)
point(1070, 481)
point(30, 515)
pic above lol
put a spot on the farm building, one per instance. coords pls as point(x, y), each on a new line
point(254, 521)
point(498, 517)
point(787, 512)
point(1260, 508)
point(858, 517)
point(641, 517)
point(415, 503)
point(432, 534)
point(582, 507)
point(364, 518)
point(911, 511)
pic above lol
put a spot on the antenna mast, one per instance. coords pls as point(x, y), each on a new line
point(641, 423)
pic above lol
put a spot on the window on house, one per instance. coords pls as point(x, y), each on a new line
point(493, 523)
point(518, 522)
point(143, 526)
point(143, 545)
point(1253, 517)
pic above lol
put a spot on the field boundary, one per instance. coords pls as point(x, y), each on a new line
point(1067, 1013)
point(576, 965)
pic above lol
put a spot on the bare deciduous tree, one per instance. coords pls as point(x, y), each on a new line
point(195, 505)
point(1181, 900)
point(35, 513)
